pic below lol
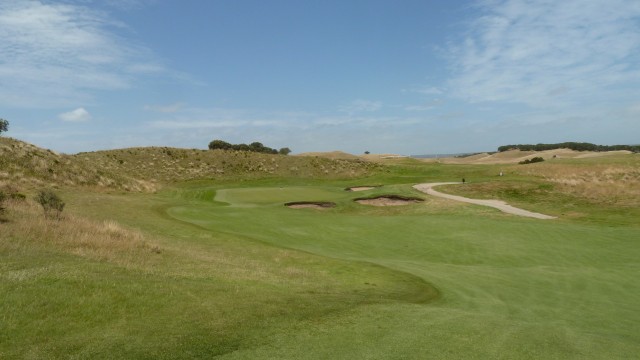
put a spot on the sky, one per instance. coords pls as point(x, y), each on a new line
point(404, 77)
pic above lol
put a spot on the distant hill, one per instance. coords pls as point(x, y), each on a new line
point(330, 155)
point(516, 156)
point(148, 168)
point(577, 146)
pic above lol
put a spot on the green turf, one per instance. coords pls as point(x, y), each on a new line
point(242, 276)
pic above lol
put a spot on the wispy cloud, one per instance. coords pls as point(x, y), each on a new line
point(425, 106)
point(171, 108)
point(56, 54)
point(77, 115)
point(358, 106)
point(545, 52)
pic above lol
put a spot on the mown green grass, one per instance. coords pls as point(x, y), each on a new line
point(511, 287)
point(239, 275)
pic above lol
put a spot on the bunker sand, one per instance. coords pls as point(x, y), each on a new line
point(497, 204)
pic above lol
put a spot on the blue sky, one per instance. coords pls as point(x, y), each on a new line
point(407, 77)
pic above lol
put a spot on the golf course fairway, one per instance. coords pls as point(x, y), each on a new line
point(510, 287)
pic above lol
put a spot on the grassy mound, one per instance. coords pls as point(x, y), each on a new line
point(149, 168)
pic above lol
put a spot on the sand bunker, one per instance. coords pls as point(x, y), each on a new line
point(310, 205)
point(362, 187)
point(388, 200)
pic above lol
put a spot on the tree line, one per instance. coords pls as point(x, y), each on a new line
point(577, 146)
point(253, 147)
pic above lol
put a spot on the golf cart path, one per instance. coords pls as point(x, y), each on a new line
point(498, 204)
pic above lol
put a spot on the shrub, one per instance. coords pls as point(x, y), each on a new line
point(51, 203)
point(532, 160)
point(4, 126)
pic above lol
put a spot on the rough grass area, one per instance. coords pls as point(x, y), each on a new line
point(148, 169)
point(105, 240)
point(167, 165)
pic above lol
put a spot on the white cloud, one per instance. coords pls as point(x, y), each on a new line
point(545, 52)
point(54, 54)
point(77, 115)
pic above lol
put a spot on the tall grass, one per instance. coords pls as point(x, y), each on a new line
point(27, 227)
point(601, 183)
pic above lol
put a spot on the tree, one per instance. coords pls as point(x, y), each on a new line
point(4, 125)
point(367, 152)
point(50, 203)
point(284, 151)
point(219, 144)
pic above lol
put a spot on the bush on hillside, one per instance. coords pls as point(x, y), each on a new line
point(4, 125)
point(532, 160)
point(253, 147)
point(51, 203)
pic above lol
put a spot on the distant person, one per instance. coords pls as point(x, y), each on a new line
point(501, 173)
point(463, 180)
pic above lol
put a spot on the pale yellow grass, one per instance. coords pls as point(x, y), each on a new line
point(330, 155)
point(24, 225)
point(617, 184)
point(516, 156)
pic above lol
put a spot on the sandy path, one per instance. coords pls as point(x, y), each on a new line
point(498, 204)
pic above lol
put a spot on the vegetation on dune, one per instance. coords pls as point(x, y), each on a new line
point(533, 160)
point(51, 203)
point(169, 165)
point(577, 146)
point(4, 126)
point(147, 169)
point(27, 166)
point(253, 147)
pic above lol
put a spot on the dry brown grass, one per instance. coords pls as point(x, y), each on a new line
point(30, 167)
point(25, 226)
point(148, 169)
point(615, 183)
point(516, 156)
